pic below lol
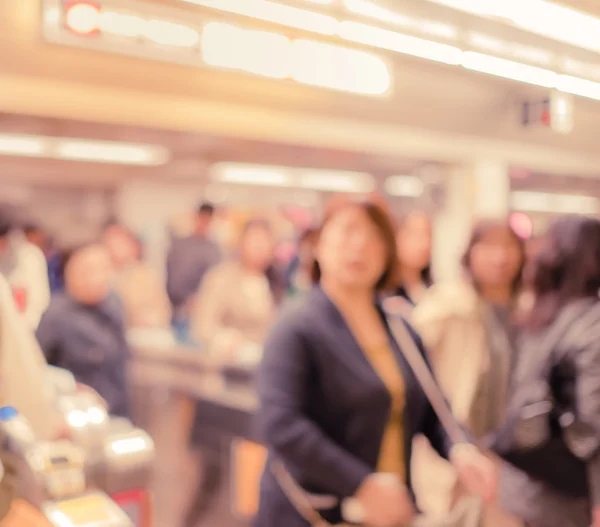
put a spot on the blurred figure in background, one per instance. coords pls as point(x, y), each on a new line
point(299, 270)
point(238, 298)
point(470, 332)
point(237, 303)
point(188, 261)
point(83, 330)
point(141, 290)
point(38, 237)
point(413, 241)
point(557, 375)
point(24, 267)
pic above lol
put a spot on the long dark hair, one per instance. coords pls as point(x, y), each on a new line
point(274, 276)
point(385, 225)
point(479, 232)
point(566, 268)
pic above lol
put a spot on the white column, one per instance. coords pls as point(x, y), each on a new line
point(476, 191)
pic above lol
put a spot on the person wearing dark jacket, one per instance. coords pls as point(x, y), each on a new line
point(188, 261)
point(557, 384)
point(83, 330)
point(338, 402)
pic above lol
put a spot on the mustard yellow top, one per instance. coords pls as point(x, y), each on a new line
point(391, 452)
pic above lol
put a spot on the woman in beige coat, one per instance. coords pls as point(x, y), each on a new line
point(468, 328)
point(238, 298)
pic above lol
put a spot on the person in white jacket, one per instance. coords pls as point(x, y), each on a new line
point(26, 271)
point(24, 378)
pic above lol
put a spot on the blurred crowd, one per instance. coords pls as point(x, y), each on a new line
point(80, 300)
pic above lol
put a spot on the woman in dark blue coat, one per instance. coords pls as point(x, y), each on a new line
point(339, 403)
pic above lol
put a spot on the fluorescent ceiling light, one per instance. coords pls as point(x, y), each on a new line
point(259, 52)
point(390, 40)
point(544, 18)
point(404, 186)
point(509, 69)
point(122, 24)
point(275, 13)
point(339, 68)
point(252, 174)
point(336, 181)
point(306, 61)
point(382, 14)
point(171, 34)
point(554, 203)
point(110, 152)
point(377, 12)
point(277, 176)
point(576, 86)
point(22, 145)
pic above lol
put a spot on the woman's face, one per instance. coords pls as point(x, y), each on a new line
point(89, 274)
point(496, 258)
point(122, 248)
point(414, 242)
point(351, 249)
point(257, 248)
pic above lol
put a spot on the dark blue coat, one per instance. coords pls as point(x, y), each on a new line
point(324, 409)
point(90, 342)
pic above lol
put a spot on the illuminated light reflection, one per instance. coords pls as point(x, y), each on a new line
point(339, 68)
point(171, 34)
point(390, 40)
point(260, 52)
point(509, 70)
point(83, 18)
point(275, 13)
point(306, 61)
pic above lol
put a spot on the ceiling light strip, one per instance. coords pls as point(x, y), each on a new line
point(21, 145)
point(308, 179)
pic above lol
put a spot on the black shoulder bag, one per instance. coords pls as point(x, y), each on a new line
point(542, 436)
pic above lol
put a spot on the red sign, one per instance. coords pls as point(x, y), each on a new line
point(20, 297)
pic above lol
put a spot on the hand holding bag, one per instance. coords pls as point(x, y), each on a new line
point(467, 513)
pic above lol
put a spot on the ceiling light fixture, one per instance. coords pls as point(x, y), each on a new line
point(404, 186)
point(82, 150)
point(339, 68)
point(275, 13)
point(259, 52)
point(336, 181)
point(308, 179)
point(264, 175)
point(111, 152)
point(554, 203)
point(306, 61)
point(509, 69)
point(392, 41)
point(23, 145)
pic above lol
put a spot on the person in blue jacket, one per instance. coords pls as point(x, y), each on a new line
point(83, 330)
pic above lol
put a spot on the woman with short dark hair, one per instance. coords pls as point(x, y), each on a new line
point(559, 370)
point(339, 404)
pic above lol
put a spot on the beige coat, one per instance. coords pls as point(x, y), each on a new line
point(232, 307)
point(144, 297)
point(449, 319)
